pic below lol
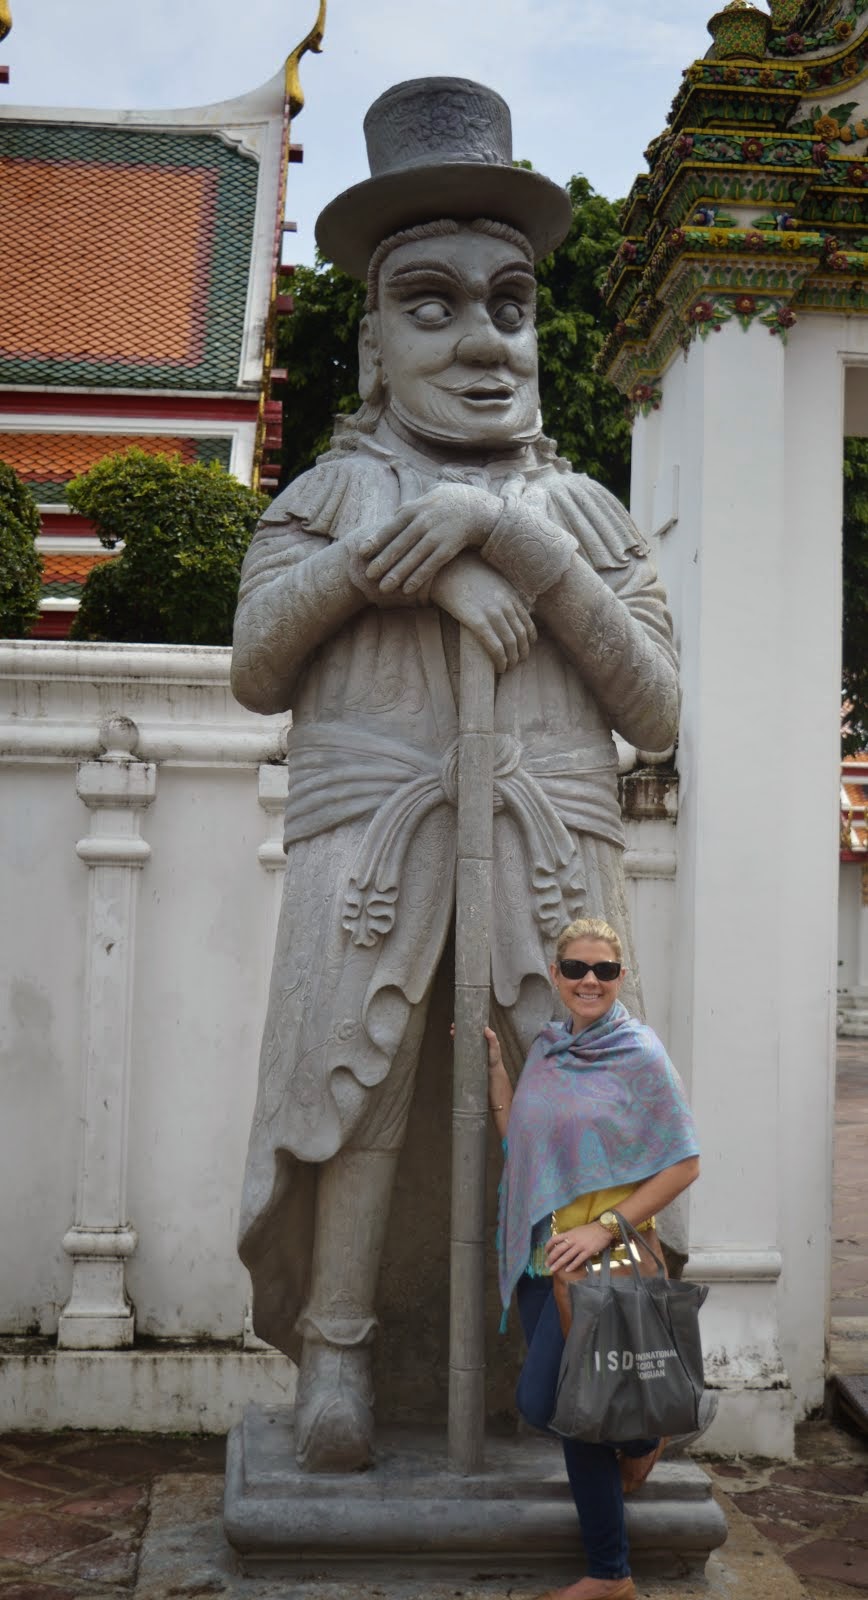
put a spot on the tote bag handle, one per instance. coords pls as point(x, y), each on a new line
point(628, 1234)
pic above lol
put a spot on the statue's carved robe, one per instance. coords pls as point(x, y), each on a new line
point(370, 825)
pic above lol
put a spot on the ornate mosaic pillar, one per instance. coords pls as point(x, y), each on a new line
point(116, 788)
point(741, 293)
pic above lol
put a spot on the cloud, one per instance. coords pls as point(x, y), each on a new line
point(588, 83)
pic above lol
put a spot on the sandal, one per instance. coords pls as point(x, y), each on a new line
point(625, 1590)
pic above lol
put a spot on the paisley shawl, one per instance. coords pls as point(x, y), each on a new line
point(591, 1111)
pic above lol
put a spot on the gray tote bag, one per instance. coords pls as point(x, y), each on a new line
point(632, 1362)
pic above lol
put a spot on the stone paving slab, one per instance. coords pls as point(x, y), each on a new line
point(814, 1511)
point(73, 1508)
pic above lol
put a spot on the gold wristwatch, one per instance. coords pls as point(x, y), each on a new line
point(609, 1221)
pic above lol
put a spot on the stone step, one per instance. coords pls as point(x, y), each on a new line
point(851, 1396)
point(852, 1025)
point(410, 1514)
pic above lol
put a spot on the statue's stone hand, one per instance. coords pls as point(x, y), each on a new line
point(354, 546)
point(487, 604)
point(426, 534)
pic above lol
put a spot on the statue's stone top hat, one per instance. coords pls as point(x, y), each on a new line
point(439, 147)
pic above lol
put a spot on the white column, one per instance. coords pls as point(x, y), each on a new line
point(723, 562)
point(116, 788)
point(808, 663)
point(862, 946)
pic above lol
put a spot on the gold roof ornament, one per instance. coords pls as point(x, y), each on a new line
point(311, 41)
point(5, 18)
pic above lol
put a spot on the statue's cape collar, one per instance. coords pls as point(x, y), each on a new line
point(386, 446)
point(365, 477)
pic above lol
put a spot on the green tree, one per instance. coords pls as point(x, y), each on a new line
point(583, 411)
point(20, 561)
point(185, 528)
point(318, 345)
point(855, 670)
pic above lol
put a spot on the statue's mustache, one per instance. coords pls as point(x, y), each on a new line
point(479, 380)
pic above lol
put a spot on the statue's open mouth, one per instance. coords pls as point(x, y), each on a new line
point(486, 391)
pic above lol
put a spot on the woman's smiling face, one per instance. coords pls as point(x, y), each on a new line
point(588, 998)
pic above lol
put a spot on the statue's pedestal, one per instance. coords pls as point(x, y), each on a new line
point(411, 1517)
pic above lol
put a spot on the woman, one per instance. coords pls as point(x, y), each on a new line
point(599, 1120)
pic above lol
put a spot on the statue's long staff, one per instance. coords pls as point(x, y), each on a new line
point(470, 1077)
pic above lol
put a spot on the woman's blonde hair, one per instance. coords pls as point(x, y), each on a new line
point(588, 928)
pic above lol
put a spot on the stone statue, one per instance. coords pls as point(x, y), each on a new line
point(439, 506)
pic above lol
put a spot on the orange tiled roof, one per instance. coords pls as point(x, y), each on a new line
point(124, 255)
point(63, 575)
point(133, 296)
point(71, 568)
point(46, 461)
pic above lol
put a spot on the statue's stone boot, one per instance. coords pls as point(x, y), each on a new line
point(334, 1409)
point(334, 1405)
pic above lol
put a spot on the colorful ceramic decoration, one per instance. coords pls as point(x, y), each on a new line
point(739, 30)
point(755, 204)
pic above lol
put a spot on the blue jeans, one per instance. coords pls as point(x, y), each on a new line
point(592, 1469)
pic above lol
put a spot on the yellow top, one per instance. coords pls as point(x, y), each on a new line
point(585, 1208)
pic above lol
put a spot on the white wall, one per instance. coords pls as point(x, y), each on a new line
point(167, 1127)
point(737, 480)
point(199, 984)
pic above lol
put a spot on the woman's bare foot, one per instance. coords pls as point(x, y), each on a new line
point(635, 1469)
point(595, 1589)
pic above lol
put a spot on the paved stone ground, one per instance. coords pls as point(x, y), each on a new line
point(850, 1225)
point(74, 1507)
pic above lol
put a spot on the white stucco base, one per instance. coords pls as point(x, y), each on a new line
point(752, 1421)
point(143, 1391)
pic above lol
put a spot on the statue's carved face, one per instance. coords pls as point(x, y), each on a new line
point(456, 341)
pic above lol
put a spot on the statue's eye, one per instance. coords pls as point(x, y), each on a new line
point(509, 315)
point(431, 313)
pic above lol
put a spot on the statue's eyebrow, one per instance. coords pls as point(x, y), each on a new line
point(513, 270)
point(421, 273)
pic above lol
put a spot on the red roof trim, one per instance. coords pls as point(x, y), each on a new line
point(183, 407)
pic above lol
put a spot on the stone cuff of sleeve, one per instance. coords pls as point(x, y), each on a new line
point(531, 552)
point(372, 592)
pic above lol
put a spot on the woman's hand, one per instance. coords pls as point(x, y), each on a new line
point(566, 1252)
point(495, 1057)
point(499, 1086)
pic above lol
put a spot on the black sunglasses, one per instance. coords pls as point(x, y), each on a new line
point(606, 971)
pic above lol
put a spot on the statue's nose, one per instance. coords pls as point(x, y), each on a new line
point(482, 342)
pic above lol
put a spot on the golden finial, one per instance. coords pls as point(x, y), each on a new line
point(313, 41)
point(5, 18)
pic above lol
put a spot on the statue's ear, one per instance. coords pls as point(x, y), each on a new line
point(370, 359)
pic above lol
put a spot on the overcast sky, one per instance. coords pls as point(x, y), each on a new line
point(588, 82)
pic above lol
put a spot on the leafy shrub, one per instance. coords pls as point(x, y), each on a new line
point(185, 528)
point(20, 561)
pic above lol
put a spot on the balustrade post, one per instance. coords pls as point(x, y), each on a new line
point(116, 789)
